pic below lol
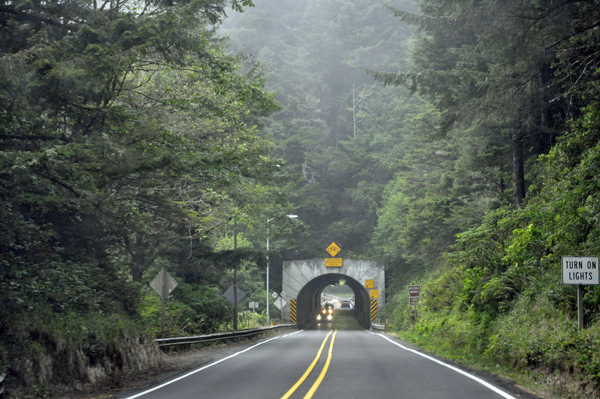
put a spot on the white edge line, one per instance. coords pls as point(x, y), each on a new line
point(205, 367)
point(479, 380)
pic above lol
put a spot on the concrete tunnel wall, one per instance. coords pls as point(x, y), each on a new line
point(305, 280)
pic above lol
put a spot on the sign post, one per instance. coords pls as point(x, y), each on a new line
point(253, 305)
point(414, 293)
point(580, 271)
point(280, 303)
point(163, 283)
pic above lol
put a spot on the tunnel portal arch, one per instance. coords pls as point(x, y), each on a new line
point(305, 280)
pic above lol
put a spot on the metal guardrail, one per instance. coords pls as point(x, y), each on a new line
point(378, 327)
point(162, 342)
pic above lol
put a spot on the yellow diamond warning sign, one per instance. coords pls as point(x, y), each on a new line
point(333, 249)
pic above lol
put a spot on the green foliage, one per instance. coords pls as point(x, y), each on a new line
point(190, 310)
point(498, 76)
point(343, 168)
point(129, 140)
point(501, 297)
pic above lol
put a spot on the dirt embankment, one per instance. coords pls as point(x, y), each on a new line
point(115, 375)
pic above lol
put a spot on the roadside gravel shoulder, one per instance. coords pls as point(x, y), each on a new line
point(173, 364)
point(506, 384)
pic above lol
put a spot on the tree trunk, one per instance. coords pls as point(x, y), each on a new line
point(518, 170)
point(138, 265)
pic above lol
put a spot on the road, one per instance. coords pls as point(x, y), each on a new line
point(348, 364)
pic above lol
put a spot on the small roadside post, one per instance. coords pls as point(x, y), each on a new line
point(414, 293)
point(280, 302)
point(233, 294)
point(253, 306)
point(163, 283)
point(580, 271)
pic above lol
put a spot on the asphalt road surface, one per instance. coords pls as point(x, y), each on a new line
point(346, 364)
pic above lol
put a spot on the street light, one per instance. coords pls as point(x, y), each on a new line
point(268, 220)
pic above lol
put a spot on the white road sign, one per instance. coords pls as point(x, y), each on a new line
point(163, 283)
point(280, 303)
point(580, 270)
point(229, 295)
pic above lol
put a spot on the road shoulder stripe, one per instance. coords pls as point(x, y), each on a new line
point(205, 367)
point(477, 379)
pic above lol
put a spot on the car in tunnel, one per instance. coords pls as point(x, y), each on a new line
point(326, 314)
point(346, 304)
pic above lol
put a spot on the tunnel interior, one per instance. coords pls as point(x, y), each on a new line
point(309, 299)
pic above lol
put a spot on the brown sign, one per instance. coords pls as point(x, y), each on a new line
point(414, 291)
point(413, 300)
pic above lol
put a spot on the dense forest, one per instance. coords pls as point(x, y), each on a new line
point(455, 141)
point(129, 141)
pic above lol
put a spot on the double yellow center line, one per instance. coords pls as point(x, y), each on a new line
point(311, 367)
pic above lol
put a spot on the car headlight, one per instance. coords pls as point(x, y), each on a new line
point(329, 317)
point(319, 317)
point(330, 310)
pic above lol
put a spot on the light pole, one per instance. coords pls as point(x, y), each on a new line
point(268, 220)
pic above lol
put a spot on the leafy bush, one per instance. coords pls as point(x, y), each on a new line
point(191, 309)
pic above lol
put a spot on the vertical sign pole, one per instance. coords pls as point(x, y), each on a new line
point(163, 298)
point(235, 318)
point(580, 307)
point(268, 220)
point(163, 284)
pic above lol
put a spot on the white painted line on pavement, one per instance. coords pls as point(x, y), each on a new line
point(205, 367)
point(287, 335)
point(479, 380)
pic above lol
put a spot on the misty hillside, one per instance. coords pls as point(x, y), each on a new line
point(456, 142)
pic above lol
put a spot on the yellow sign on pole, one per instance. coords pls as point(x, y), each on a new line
point(333, 249)
point(369, 284)
point(333, 262)
point(374, 294)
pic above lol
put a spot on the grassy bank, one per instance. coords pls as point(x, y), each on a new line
point(534, 343)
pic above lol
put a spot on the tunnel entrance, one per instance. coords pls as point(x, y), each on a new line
point(309, 299)
point(305, 281)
